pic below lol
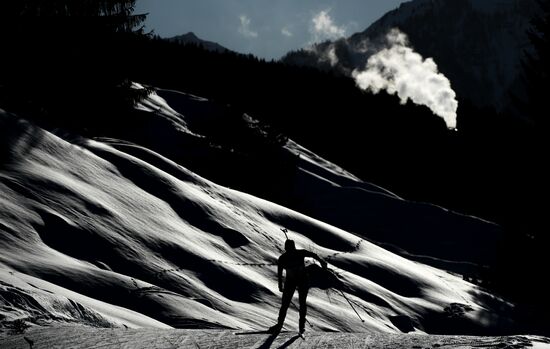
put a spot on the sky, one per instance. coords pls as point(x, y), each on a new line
point(265, 28)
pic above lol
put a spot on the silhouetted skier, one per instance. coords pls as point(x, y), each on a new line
point(296, 277)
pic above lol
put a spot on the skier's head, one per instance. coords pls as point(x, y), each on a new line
point(289, 245)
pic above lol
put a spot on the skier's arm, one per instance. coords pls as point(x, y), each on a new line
point(313, 255)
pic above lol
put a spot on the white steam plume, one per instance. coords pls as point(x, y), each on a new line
point(398, 69)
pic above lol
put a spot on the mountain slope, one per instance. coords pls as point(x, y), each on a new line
point(109, 233)
point(477, 44)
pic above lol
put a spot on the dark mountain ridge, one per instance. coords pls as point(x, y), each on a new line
point(477, 44)
point(191, 38)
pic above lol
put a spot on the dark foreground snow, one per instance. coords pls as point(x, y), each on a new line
point(88, 337)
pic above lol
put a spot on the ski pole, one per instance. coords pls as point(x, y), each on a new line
point(344, 295)
point(351, 305)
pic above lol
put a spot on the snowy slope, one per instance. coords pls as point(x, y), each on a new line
point(108, 233)
point(329, 193)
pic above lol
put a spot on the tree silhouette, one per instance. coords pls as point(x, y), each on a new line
point(535, 67)
point(61, 55)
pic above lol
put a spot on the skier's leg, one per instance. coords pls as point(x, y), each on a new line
point(303, 289)
point(288, 292)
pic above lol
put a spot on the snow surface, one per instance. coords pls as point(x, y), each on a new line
point(111, 234)
point(79, 336)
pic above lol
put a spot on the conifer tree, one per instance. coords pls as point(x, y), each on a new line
point(535, 67)
point(66, 57)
